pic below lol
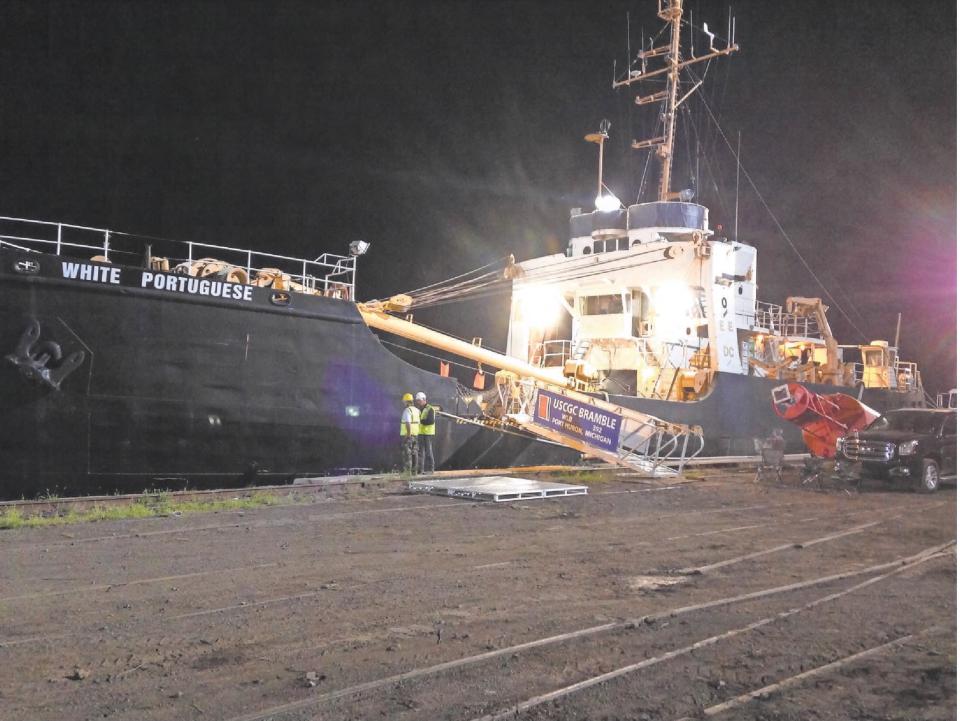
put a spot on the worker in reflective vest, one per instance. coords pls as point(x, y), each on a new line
point(428, 429)
point(409, 434)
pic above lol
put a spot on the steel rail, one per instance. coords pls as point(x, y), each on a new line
point(799, 678)
point(373, 685)
point(514, 711)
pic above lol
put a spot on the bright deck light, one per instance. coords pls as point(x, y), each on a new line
point(672, 303)
point(539, 307)
point(607, 203)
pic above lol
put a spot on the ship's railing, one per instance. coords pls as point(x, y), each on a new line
point(328, 274)
point(908, 376)
point(852, 373)
point(690, 356)
point(773, 318)
point(554, 353)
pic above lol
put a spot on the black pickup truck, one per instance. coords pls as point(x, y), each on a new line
point(914, 444)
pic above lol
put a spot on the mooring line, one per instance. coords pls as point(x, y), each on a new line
point(515, 710)
point(738, 701)
point(373, 685)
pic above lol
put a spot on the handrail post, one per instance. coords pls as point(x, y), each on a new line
point(190, 251)
point(106, 244)
point(59, 236)
point(249, 265)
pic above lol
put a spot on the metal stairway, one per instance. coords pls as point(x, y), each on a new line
point(639, 441)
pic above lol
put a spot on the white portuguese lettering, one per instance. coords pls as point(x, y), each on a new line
point(166, 282)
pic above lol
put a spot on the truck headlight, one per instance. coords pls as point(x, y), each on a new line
point(907, 448)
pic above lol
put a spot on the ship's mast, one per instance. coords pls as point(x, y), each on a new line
point(673, 14)
point(670, 11)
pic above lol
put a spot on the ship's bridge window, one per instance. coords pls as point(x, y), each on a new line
point(601, 304)
point(623, 244)
point(598, 246)
point(873, 357)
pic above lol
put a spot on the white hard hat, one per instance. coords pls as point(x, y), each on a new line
point(421, 396)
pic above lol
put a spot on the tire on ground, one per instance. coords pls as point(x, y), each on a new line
point(929, 476)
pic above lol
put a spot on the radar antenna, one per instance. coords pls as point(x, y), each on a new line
point(670, 11)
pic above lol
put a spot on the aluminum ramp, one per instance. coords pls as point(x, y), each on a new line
point(598, 428)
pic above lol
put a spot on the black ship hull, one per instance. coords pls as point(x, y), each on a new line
point(739, 409)
point(176, 387)
point(121, 379)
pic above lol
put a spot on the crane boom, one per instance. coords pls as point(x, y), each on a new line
point(548, 406)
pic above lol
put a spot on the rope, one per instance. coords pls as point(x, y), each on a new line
point(431, 355)
point(776, 222)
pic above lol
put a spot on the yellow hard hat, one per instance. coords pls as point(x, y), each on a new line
point(407, 397)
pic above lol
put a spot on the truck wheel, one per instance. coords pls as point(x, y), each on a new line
point(929, 476)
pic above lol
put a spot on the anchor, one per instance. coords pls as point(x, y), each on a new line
point(32, 356)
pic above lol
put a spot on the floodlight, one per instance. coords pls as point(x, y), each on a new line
point(539, 306)
point(607, 203)
point(359, 247)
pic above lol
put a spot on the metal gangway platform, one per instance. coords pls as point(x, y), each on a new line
point(598, 428)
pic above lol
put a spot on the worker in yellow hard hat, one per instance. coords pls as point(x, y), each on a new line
point(409, 433)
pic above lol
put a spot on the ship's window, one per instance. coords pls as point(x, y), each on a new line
point(623, 243)
point(635, 244)
point(611, 244)
point(873, 358)
point(601, 304)
point(598, 246)
point(586, 250)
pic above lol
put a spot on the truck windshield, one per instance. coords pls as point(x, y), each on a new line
point(912, 421)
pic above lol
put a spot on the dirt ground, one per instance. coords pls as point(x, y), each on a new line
point(641, 601)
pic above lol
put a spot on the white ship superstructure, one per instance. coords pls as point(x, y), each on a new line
point(649, 301)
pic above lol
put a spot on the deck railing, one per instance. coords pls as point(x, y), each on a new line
point(774, 319)
point(329, 274)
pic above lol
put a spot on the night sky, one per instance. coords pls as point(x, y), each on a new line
point(449, 134)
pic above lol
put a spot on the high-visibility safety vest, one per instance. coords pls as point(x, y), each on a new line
point(428, 421)
point(410, 414)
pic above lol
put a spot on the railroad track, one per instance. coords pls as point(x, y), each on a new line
point(304, 485)
point(878, 573)
point(616, 644)
point(438, 504)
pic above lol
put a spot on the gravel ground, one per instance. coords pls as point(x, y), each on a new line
point(399, 606)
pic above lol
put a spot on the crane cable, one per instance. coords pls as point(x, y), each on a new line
point(776, 221)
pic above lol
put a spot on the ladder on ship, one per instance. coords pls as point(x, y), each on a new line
point(597, 427)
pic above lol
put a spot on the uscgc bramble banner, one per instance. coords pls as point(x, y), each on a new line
point(581, 421)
